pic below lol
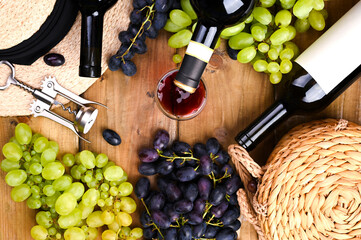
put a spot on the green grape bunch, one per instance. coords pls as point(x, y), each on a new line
point(264, 39)
point(74, 196)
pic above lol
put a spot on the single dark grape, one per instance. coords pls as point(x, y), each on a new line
point(170, 234)
point(205, 163)
point(222, 157)
point(54, 59)
point(199, 205)
point(233, 184)
point(185, 233)
point(235, 225)
point(121, 52)
point(219, 210)
point(230, 215)
point(181, 148)
point(147, 169)
point(157, 202)
point(183, 206)
point(111, 137)
point(136, 16)
point(164, 167)
point(199, 150)
point(216, 170)
point(148, 155)
point(145, 219)
point(168, 152)
point(149, 233)
point(232, 53)
point(162, 5)
point(192, 163)
point(186, 174)
point(204, 187)
point(161, 140)
point(149, 2)
point(142, 187)
point(252, 186)
point(199, 230)
point(227, 168)
point(194, 218)
point(114, 63)
point(233, 199)
point(139, 3)
point(176, 5)
point(151, 32)
point(139, 46)
point(160, 219)
point(172, 176)
point(190, 192)
point(226, 234)
point(128, 68)
point(133, 30)
point(212, 146)
point(162, 183)
point(171, 213)
point(178, 162)
point(211, 231)
point(159, 20)
point(125, 37)
point(173, 192)
point(217, 195)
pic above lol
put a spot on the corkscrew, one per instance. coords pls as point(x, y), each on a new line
point(84, 117)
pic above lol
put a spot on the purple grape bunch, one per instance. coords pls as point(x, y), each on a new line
point(146, 19)
point(197, 191)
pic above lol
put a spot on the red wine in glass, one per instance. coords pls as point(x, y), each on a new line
point(177, 103)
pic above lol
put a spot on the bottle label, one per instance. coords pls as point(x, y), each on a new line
point(332, 57)
point(200, 51)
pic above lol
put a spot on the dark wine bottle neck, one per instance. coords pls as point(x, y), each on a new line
point(254, 133)
point(207, 35)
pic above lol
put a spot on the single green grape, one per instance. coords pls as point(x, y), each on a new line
point(68, 160)
point(260, 65)
point(302, 25)
point(273, 54)
point(33, 203)
point(285, 66)
point(283, 18)
point(75, 173)
point(39, 233)
point(180, 18)
point(53, 170)
point(172, 27)
point(107, 217)
point(27, 156)
point(302, 8)
point(74, 233)
point(77, 159)
point(293, 47)
point(101, 160)
point(267, 3)
point(125, 232)
point(113, 173)
point(114, 226)
point(65, 204)
point(90, 197)
point(43, 218)
point(136, 233)
point(85, 210)
point(101, 203)
point(109, 201)
point(52, 231)
point(240, 41)
point(291, 32)
point(324, 13)
point(287, 4)
point(127, 204)
point(263, 47)
point(35, 190)
point(249, 19)
point(318, 5)
point(104, 187)
point(20, 193)
point(23, 133)
point(91, 233)
point(280, 36)
point(50, 201)
point(70, 220)
point(35, 168)
point(7, 165)
point(95, 219)
point(47, 156)
point(187, 7)
point(54, 145)
point(77, 189)
point(12, 151)
point(258, 33)
point(275, 77)
point(125, 189)
point(41, 144)
point(218, 44)
point(273, 67)
point(262, 15)
point(87, 158)
point(124, 219)
point(232, 31)
point(62, 183)
point(316, 20)
point(286, 54)
point(180, 39)
point(109, 235)
point(177, 58)
point(247, 54)
point(194, 26)
point(15, 177)
point(49, 190)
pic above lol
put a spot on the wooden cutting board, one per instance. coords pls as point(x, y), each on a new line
point(237, 95)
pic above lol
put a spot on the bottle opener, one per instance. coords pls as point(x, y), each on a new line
point(84, 118)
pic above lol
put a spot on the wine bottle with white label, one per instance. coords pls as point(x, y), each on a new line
point(213, 17)
point(321, 73)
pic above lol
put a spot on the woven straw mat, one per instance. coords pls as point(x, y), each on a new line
point(310, 187)
point(15, 101)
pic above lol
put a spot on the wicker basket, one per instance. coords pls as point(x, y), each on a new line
point(310, 187)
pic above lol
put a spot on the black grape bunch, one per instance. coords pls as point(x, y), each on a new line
point(146, 19)
point(197, 191)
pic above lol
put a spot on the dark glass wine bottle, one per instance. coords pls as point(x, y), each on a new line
point(92, 35)
point(213, 17)
point(321, 73)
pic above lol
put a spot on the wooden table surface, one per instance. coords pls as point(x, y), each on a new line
point(236, 96)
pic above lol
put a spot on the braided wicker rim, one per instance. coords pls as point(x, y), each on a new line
point(311, 185)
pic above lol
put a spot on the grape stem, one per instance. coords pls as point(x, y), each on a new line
point(155, 226)
point(141, 29)
point(175, 156)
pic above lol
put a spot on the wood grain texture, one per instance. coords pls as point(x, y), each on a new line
point(236, 96)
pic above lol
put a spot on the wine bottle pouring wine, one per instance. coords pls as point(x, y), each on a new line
point(46, 97)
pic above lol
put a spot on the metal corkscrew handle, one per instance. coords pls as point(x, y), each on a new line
point(12, 80)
